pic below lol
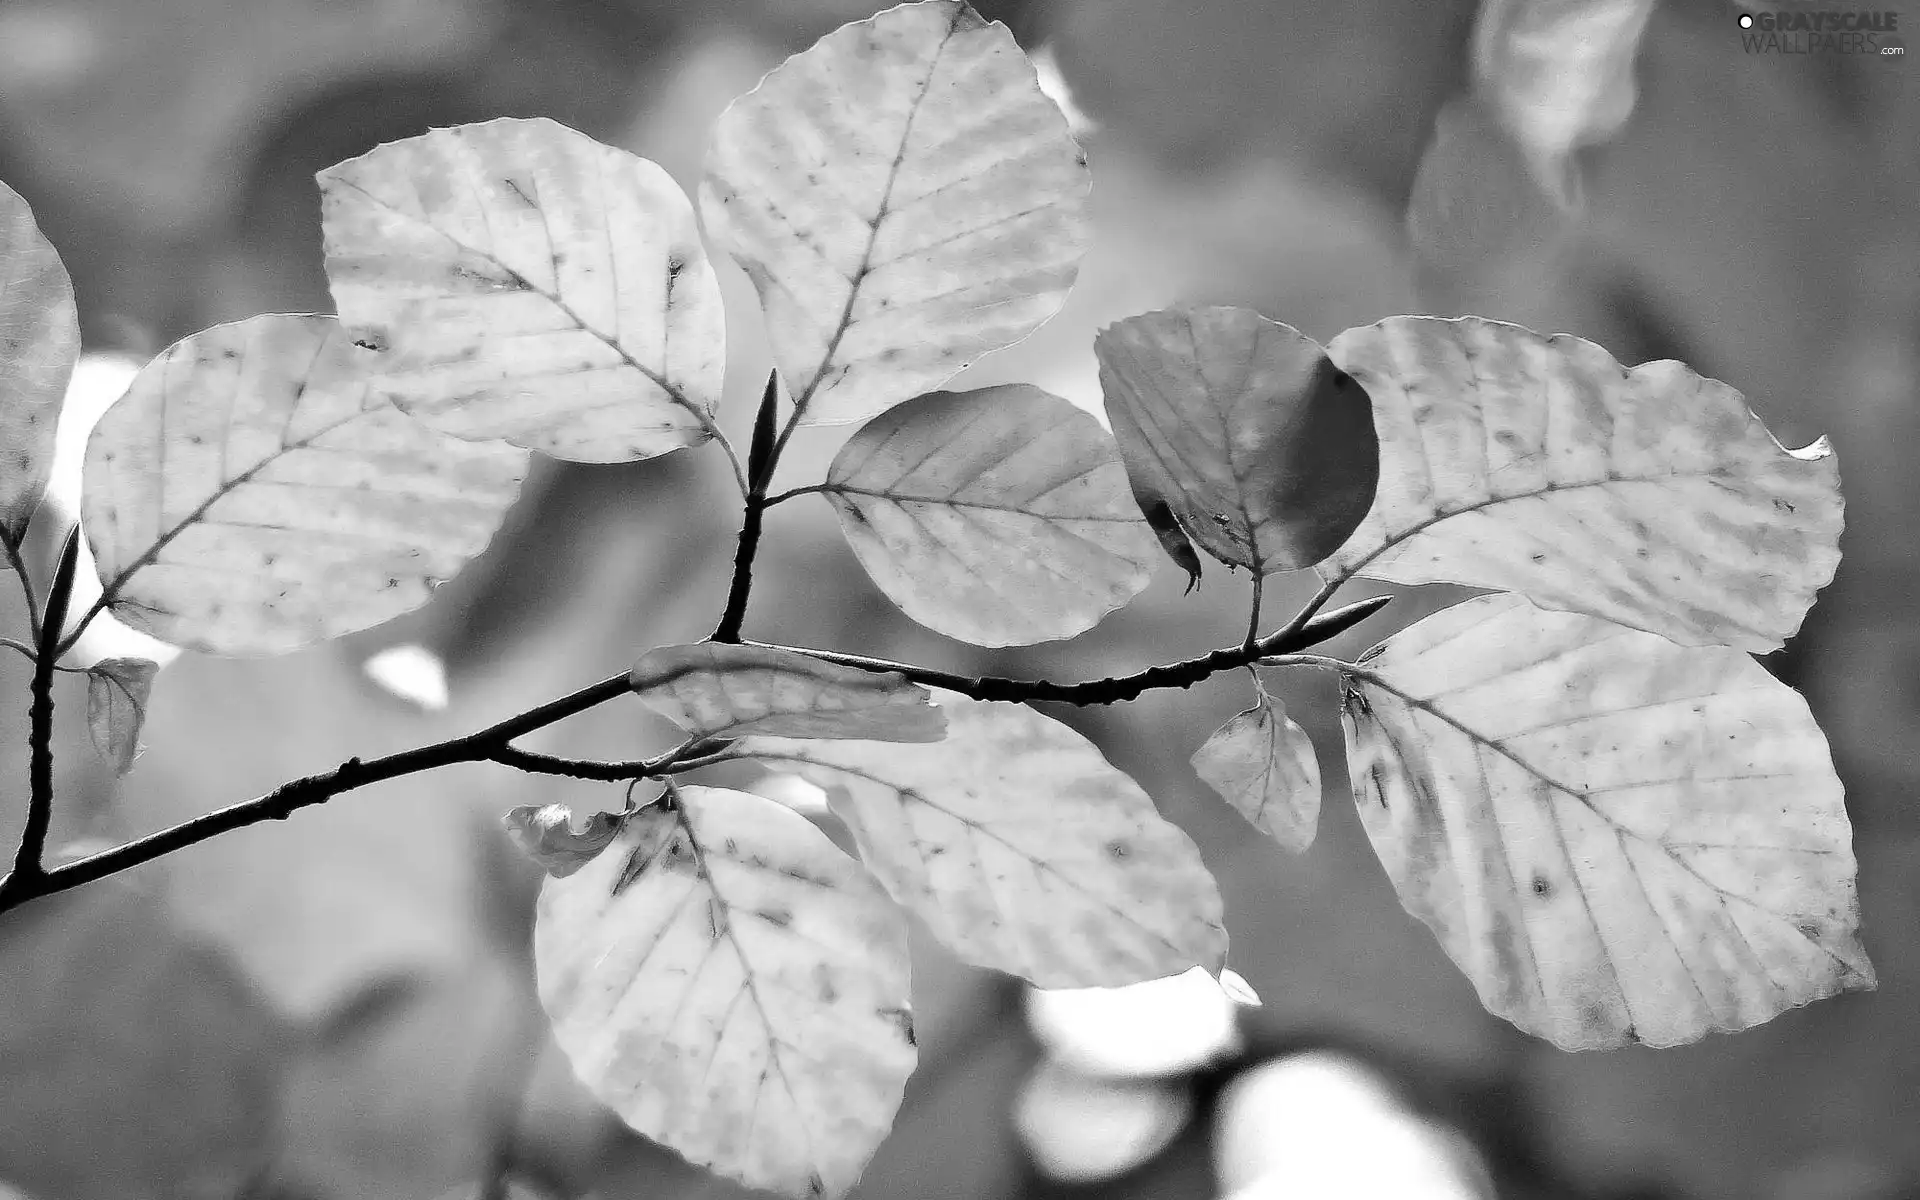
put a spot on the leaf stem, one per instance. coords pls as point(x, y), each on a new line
point(26, 585)
point(792, 493)
point(1120, 688)
point(733, 459)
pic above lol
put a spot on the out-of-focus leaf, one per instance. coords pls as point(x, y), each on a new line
point(250, 494)
point(1082, 1130)
point(1650, 497)
point(545, 833)
point(735, 988)
point(1263, 764)
point(117, 691)
point(1264, 450)
point(1477, 208)
point(412, 673)
point(999, 516)
point(134, 1062)
point(515, 279)
point(39, 343)
point(1559, 73)
point(158, 112)
point(1618, 839)
point(1159, 1027)
point(1021, 847)
point(1323, 1123)
point(717, 690)
point(905, 199)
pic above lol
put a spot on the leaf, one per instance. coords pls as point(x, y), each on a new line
point(718, 690)
point(1263, 764)
point(250, 494)
point(1166, 529)
point(1559, 73)
point(117, 691)
point(39, 343)
point(1649, 497)
point(905, 199)
point(519, 280)
point(1021, 848)
point(1262, 448)
point(1618, 839)
point(999, 516)
point(735, 988)
point(545, 833)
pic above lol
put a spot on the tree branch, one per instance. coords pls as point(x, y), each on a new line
point(287, 799)
point(27, 865)
point(1118, 688)
point(493, 744)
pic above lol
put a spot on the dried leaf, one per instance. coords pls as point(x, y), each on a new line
point(1263, 764)
point(717, 690)
point(545, 833)
point(117, 691)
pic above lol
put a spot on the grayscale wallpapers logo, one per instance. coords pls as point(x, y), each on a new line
point(1826, 32)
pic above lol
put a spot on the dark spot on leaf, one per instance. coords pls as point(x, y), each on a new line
point(1542, 887)
point(1119, 849)
point(1538, 556)
point(901, 1019)
point(1809, 930)
point(816, 1186)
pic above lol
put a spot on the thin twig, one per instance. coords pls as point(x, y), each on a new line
point(288, 798)
point(1119, 688)
point(494, 743)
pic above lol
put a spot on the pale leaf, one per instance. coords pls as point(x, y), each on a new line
point(716, 690)
point(250, 495)
point(1618, 839)
point(905, 199)
point(735, 988)
point(1263, 450)
point(39, 343)
point(545, 833)
point(1021, 847)
point(117, 691)
point(1263, 764)
point(999, 516)
point(1538, 465)
point(515, 279)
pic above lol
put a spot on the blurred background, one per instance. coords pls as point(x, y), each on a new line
point(340, 1007)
